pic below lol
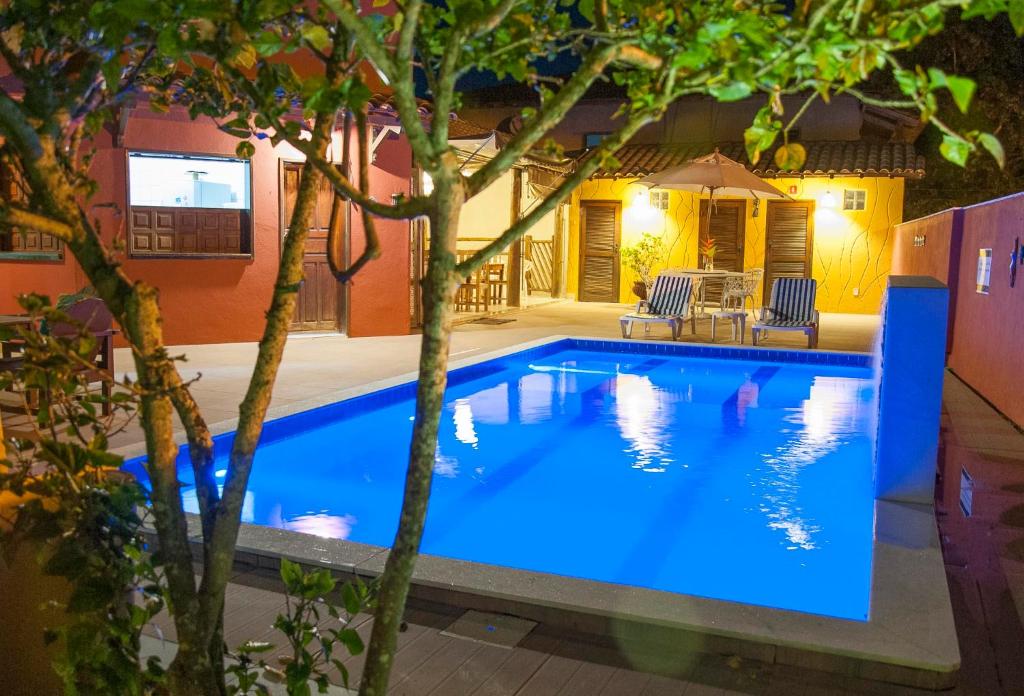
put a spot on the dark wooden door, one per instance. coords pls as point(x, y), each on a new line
point(599, 251)
point(789, 242)
point(320, 298)
point(725, 226)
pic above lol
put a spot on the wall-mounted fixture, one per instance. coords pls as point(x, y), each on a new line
point(757, 207)
point(827, 200)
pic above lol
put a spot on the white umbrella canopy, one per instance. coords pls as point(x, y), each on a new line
point(715, 174)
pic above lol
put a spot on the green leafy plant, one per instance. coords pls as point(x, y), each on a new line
point(79, 513)
point(314, 645)
point(642, 257)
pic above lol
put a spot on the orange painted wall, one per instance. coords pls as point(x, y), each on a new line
point(224, 300)
point(987, 331)
point(379, 294)
point(938, 254)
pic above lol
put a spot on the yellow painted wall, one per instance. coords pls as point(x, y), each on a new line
point(489, 213)
point(852, 249)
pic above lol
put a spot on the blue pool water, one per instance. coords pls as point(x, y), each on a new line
point(731, 479)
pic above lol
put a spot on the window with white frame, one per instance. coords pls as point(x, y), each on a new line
point(659, 199)
point(855, 199)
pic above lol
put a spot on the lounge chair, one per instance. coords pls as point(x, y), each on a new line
point(791, 308)
point(667, 303)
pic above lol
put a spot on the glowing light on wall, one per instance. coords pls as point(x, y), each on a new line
point(828, 200)
point(426, 184)
point(639, 213)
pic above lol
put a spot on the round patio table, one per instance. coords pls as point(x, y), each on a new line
point(701, 276)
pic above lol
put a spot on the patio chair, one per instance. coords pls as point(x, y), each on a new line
point(667, 303)
point(738, 290)
point(732, 293)
point(92, 315)
point(791, 308)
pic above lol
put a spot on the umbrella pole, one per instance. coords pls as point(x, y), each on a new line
point(711, 202)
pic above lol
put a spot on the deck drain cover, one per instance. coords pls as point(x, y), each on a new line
point(492, 320)
point(495, 629)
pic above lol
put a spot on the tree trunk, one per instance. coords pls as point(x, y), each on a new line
point(438, 294)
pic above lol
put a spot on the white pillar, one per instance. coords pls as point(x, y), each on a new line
point(913, 361)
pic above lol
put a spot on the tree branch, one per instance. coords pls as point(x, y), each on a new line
point(545, 120)
point(371, 250)
point(253, 408)
point(402, 84)
point(19, 217)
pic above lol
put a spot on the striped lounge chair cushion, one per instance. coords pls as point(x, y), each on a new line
point(792, 302)
point(670, 296)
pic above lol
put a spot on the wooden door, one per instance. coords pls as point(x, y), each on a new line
point(726, 226)
point(320, 298)
point(599, 251)
point(789, 242)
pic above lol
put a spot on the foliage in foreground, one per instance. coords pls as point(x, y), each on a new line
point(83, 520)
point(80, 514)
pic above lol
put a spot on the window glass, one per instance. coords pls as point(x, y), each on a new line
point(593, 139)
point(180, 181)
point(855, 199)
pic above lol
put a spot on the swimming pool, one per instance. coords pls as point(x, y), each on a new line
point(744, 478)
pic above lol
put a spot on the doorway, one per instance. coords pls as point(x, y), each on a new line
point(725, 226)
point(600, 232)
point(789, 241)
point(320, 303)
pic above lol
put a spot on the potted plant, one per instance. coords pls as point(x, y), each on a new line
point(708, 248)
point(641, 258)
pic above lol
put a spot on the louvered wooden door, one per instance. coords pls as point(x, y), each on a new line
point(320, 298)
point(789, 242)
point(599, 251)
point(726, 227)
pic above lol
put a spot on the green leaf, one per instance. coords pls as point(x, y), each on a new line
point(267, 43)
point(790, 157)
point(91, 594)
point(734, 91)
point(316, 36)
point(1015, 11)
point(994, 147)
point(955, 149)
point(291, 575)
point(962, 89)
point(350, 599)
point(351, 640)
point(245, 149)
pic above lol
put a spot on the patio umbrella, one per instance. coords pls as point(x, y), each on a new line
point(716, 174)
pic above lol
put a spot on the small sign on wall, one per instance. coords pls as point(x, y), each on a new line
point(966, 493)
point(919, 240)
point(984, 270)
